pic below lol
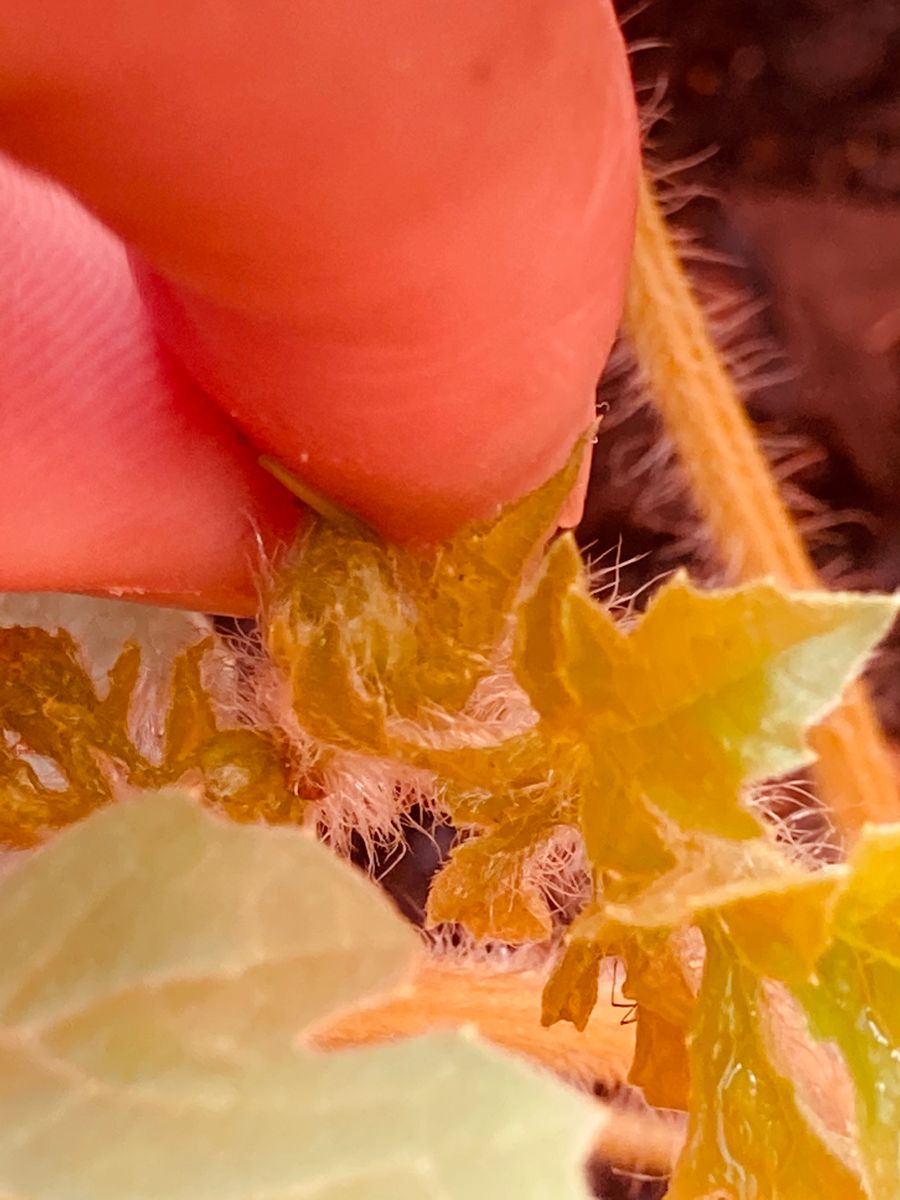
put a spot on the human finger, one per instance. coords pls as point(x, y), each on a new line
point(116, 473)
point(393, 250)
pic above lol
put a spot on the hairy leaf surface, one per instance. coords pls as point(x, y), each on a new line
point(368, 632)
point(855, 999)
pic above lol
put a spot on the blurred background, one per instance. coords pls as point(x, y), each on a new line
point(774, 126)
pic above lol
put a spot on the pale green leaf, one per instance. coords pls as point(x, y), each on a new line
point(160, 966)
point(152, 894)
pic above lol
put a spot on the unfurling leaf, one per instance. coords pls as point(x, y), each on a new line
point(670, 721)
point(662, 973)
point(368, 632)
point(571, 991)
point(55, 720)
point(482, 887)
point(243, 771)
point(769, 919)
point(159, 966)
point(832, 937)
point(646, 738)
point(155, 1028)
point(486, 884)
point(661, 1066)
point(641, 927)
point(641, 737)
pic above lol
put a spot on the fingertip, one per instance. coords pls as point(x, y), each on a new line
point(116, 474)
point(394, 255)
point(446, 360)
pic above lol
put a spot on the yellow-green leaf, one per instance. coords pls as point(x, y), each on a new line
point(781, 927)
point(748, 1137)
point(855, 999)
point(709, 691)
point(743, 882)
point(159, 967)
point(541, 654)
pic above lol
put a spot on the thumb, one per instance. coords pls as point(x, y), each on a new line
point(393, 250)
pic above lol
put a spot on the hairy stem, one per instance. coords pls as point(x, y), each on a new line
point(738, 497)
point(505, 1009)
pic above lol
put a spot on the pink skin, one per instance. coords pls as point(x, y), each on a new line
point(391, 250)
point(117, 473)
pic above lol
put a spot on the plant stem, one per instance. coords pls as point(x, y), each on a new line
point(505, 1009)
point(738, 497)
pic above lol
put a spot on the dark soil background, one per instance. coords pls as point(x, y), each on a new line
point(797, 95)
point(793, 108)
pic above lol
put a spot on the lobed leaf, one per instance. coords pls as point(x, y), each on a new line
point(709, 692)
point(644, 737)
